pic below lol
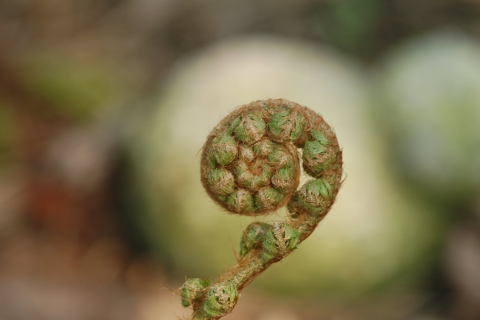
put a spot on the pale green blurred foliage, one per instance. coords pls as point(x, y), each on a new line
point(427, 101)
point(77, 87)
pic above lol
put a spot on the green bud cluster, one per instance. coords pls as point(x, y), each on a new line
point(253, 237)
point(313, 197)
point(280, 240)
point(245, 171)
point(250, 166)
point(193, 290)
point(317, 154)
point(221, 299)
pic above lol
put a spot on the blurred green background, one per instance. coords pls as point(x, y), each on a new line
point(104, 108)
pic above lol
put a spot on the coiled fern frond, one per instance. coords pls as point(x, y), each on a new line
point(250, 165)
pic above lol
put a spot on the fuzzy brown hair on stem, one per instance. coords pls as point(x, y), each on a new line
point(250, 166)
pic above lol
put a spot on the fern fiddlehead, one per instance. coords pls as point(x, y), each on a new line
point(250, 166)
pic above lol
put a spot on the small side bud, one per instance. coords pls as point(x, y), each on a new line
point(312, 197)
point(253, 237)
point(251, 128)
point(224, 149)
point(221, 182)
point(279, 241)
point(221, 299)
point(241, 201)
point(286, 125)
point(193, 289)
point(268, 198)
point(317, 157)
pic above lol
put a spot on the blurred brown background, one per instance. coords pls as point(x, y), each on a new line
point(84, 84)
